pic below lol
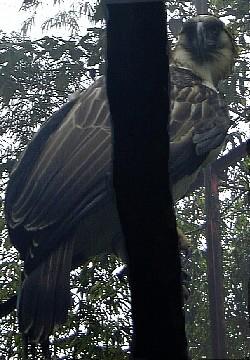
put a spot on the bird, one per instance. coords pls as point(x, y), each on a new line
point(60, 204)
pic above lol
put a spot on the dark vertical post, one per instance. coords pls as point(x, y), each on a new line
point(137, 86)
point(248, 297)
point(214, 264)
point(214, 258)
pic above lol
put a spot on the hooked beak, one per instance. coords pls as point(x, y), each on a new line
point(201, 47)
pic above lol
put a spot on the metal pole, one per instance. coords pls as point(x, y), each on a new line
point(214, 255)
point(214, 264)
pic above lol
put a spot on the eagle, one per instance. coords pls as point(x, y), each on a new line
point(60, 203)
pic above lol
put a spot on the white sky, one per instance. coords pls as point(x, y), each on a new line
point(8, 15)
point(11, 19)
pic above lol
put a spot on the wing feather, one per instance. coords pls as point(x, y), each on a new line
point(198, 127)
point(70, 175)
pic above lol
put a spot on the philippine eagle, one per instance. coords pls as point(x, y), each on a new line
point(60, 205)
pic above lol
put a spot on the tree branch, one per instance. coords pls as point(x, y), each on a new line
point(221, 164)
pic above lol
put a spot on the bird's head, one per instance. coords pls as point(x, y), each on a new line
point(206, 48)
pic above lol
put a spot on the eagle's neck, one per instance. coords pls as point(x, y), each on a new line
point(182, 58)
point(211, 72)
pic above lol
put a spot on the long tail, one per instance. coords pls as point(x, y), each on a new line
point(45, 295)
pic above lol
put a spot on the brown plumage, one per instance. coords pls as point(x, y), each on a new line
point(60, 204)
point(196, 140)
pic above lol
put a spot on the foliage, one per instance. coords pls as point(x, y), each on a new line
point(36, 78)
point(235, 232)
point(99, 325)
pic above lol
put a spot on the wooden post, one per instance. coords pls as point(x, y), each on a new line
point(214, 264)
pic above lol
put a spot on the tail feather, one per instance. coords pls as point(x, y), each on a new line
point(45, 295)
point(62, 291)
point(43, 320)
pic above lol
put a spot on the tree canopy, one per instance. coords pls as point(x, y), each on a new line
point(37, 77)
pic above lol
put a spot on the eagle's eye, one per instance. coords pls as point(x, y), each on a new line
point(214, 29)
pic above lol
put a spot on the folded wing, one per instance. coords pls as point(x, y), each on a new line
point(198, 127)
point(65, 176)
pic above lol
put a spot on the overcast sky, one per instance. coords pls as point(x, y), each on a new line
point(11, 18)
